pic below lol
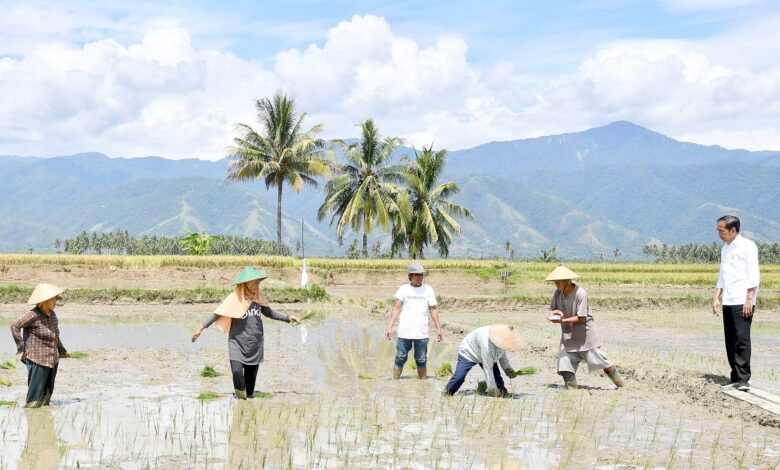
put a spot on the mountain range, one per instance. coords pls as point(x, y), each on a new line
point(620, 186)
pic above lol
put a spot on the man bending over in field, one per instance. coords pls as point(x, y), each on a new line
point(414, 301)
point(579, 342)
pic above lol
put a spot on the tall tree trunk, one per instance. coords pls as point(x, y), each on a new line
point(365, 245)
point(279, 218)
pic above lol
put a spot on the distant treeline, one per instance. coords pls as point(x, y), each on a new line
point(768, 253)
point(122, 243)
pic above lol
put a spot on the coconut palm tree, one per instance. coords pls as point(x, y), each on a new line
point(280, 152)
point(434, 221)
point(364, 192)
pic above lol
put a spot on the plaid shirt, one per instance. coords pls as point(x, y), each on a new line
point(40, 342)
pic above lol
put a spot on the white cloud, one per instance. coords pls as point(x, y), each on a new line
point(163, 95)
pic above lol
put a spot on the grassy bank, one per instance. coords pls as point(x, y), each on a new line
point(18, 294)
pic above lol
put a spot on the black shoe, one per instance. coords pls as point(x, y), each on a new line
point(744, 386)
point(731, 384)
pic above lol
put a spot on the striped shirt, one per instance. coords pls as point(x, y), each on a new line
point(40, 342)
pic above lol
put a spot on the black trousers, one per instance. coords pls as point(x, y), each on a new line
point(40, 382)
point(736, 329)
point(244, 376)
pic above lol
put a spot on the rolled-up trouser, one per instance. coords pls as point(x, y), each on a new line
point(40, 382)
point(568, 361)
point(463, 368)
point(244, 376)
point(403, 347)
point(736, 329)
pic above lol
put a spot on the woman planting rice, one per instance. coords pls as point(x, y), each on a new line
point(239, 315)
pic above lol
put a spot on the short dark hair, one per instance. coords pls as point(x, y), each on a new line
point(731, 221)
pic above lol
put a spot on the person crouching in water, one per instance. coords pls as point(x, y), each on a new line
point(579, 342)
point(414, 301)
point(486, 346)
point(239, 315)
point(37, 338)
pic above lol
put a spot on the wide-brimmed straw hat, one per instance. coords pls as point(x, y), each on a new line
point(561, 273)
point(505, 337)
point(248, 274)
point(44, 292)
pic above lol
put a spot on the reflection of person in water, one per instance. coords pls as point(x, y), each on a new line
point(239, 315)
point(37, 337)
point(41, 450)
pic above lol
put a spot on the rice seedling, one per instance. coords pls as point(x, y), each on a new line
point(5, 381)
point(7, 403)
point(444, 370)
point(527, 370)
point(78, 355)
point(263, 395)
point(8, 364)
point(209, 395)
point(309, 314)
point(209, 372)
point(365, 376)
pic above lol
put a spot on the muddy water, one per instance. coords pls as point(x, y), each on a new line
point(131, 404)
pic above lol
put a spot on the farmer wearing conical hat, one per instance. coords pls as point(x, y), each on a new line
point(37, 337)
point(486, 346)
point(570, 308)
point(239, 315)
point(413, 303)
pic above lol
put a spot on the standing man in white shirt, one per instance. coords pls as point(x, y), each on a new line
point(414, 302)
point(738, 285)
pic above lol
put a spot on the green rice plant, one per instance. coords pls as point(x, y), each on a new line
point(527, 370)
point(444, 370)
point(263, 395)
point(78, 354)
point(209, 372)
point(309, 314)
point(482, 387)
point(411, 363)
point(209, 395)
point(5, 381)
point(7, 403)
point(365, 376)
point(8, 364)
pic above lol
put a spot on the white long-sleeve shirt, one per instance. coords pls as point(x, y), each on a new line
point(738, 271)
point(477, 347)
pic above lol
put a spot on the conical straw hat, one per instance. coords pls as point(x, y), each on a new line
point(505, 337)
point(44, 292)
point(561, 273)
point(248, 274)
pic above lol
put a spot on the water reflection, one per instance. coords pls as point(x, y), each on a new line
point(42, 449)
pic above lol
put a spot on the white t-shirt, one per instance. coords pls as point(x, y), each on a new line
point(413, 321)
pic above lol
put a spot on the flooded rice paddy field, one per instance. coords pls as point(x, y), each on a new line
point(326, 401)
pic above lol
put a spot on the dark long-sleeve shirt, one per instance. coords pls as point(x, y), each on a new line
point(245, 340)
point(37, 337)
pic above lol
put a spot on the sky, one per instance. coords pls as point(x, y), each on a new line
point(173, 79)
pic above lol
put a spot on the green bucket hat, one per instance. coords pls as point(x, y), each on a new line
point(248, 274)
